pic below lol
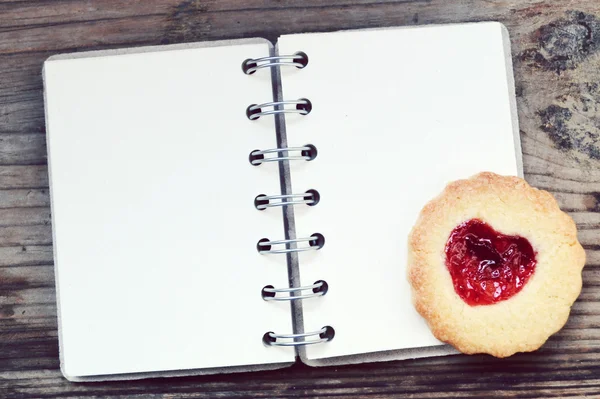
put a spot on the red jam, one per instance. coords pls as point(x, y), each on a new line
point(487, 266)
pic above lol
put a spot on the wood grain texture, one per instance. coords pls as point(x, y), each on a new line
point(556, 56)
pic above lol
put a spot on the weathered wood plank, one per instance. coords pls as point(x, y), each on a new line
point(25, 235)
point(555, 184)
point(23, 116)
point(573, 202)
point(589, 238)
point(330, 383)
point(24, 216)
point(24, 198)
point(539, 166)
point(29, 13)
point(29, 176)
point(592, 257)
point(22, 149)
point(27, 295)
point(591, 277)
point(580, 324)
point(41, 295)
point(18, 278)
point(116, 31)
point(27, 317)
point(21, 96)
point(25, 255)
point(196, 20)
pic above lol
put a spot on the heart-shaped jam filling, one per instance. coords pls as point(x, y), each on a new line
point(487, 266)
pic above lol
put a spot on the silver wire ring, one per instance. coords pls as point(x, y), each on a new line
point(303, 106)
point(258, 156)
point(298, 60)
point(324, 334)
point(317, 241)
point(284, 200)
point(320, 287)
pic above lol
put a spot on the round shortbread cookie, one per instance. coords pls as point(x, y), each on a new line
point(523, 321)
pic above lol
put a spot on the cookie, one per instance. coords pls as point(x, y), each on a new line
point(494, 265)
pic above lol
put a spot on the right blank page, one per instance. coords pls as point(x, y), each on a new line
point(397, 114)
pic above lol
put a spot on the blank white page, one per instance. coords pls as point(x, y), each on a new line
point(397, 114)
point(155, 230)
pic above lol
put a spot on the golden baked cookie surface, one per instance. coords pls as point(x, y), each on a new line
point(525, 320)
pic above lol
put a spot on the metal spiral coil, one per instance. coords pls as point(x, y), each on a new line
point(316, 242)
point(325, 334)
point(302, 106)
point(298, 60)
point(319, 288)
point(307, 153)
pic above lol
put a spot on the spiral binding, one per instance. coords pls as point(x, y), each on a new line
point(324, 334)
point(302, 106)
point(316, 241)
point(307, 153)
point(319, 288)
point(298, 60)
point(262, 202)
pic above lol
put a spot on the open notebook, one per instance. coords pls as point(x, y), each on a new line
point(158, 163)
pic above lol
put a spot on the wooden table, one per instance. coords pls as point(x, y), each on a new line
point(556, 55)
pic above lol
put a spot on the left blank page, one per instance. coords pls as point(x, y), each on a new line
point(155, 230)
